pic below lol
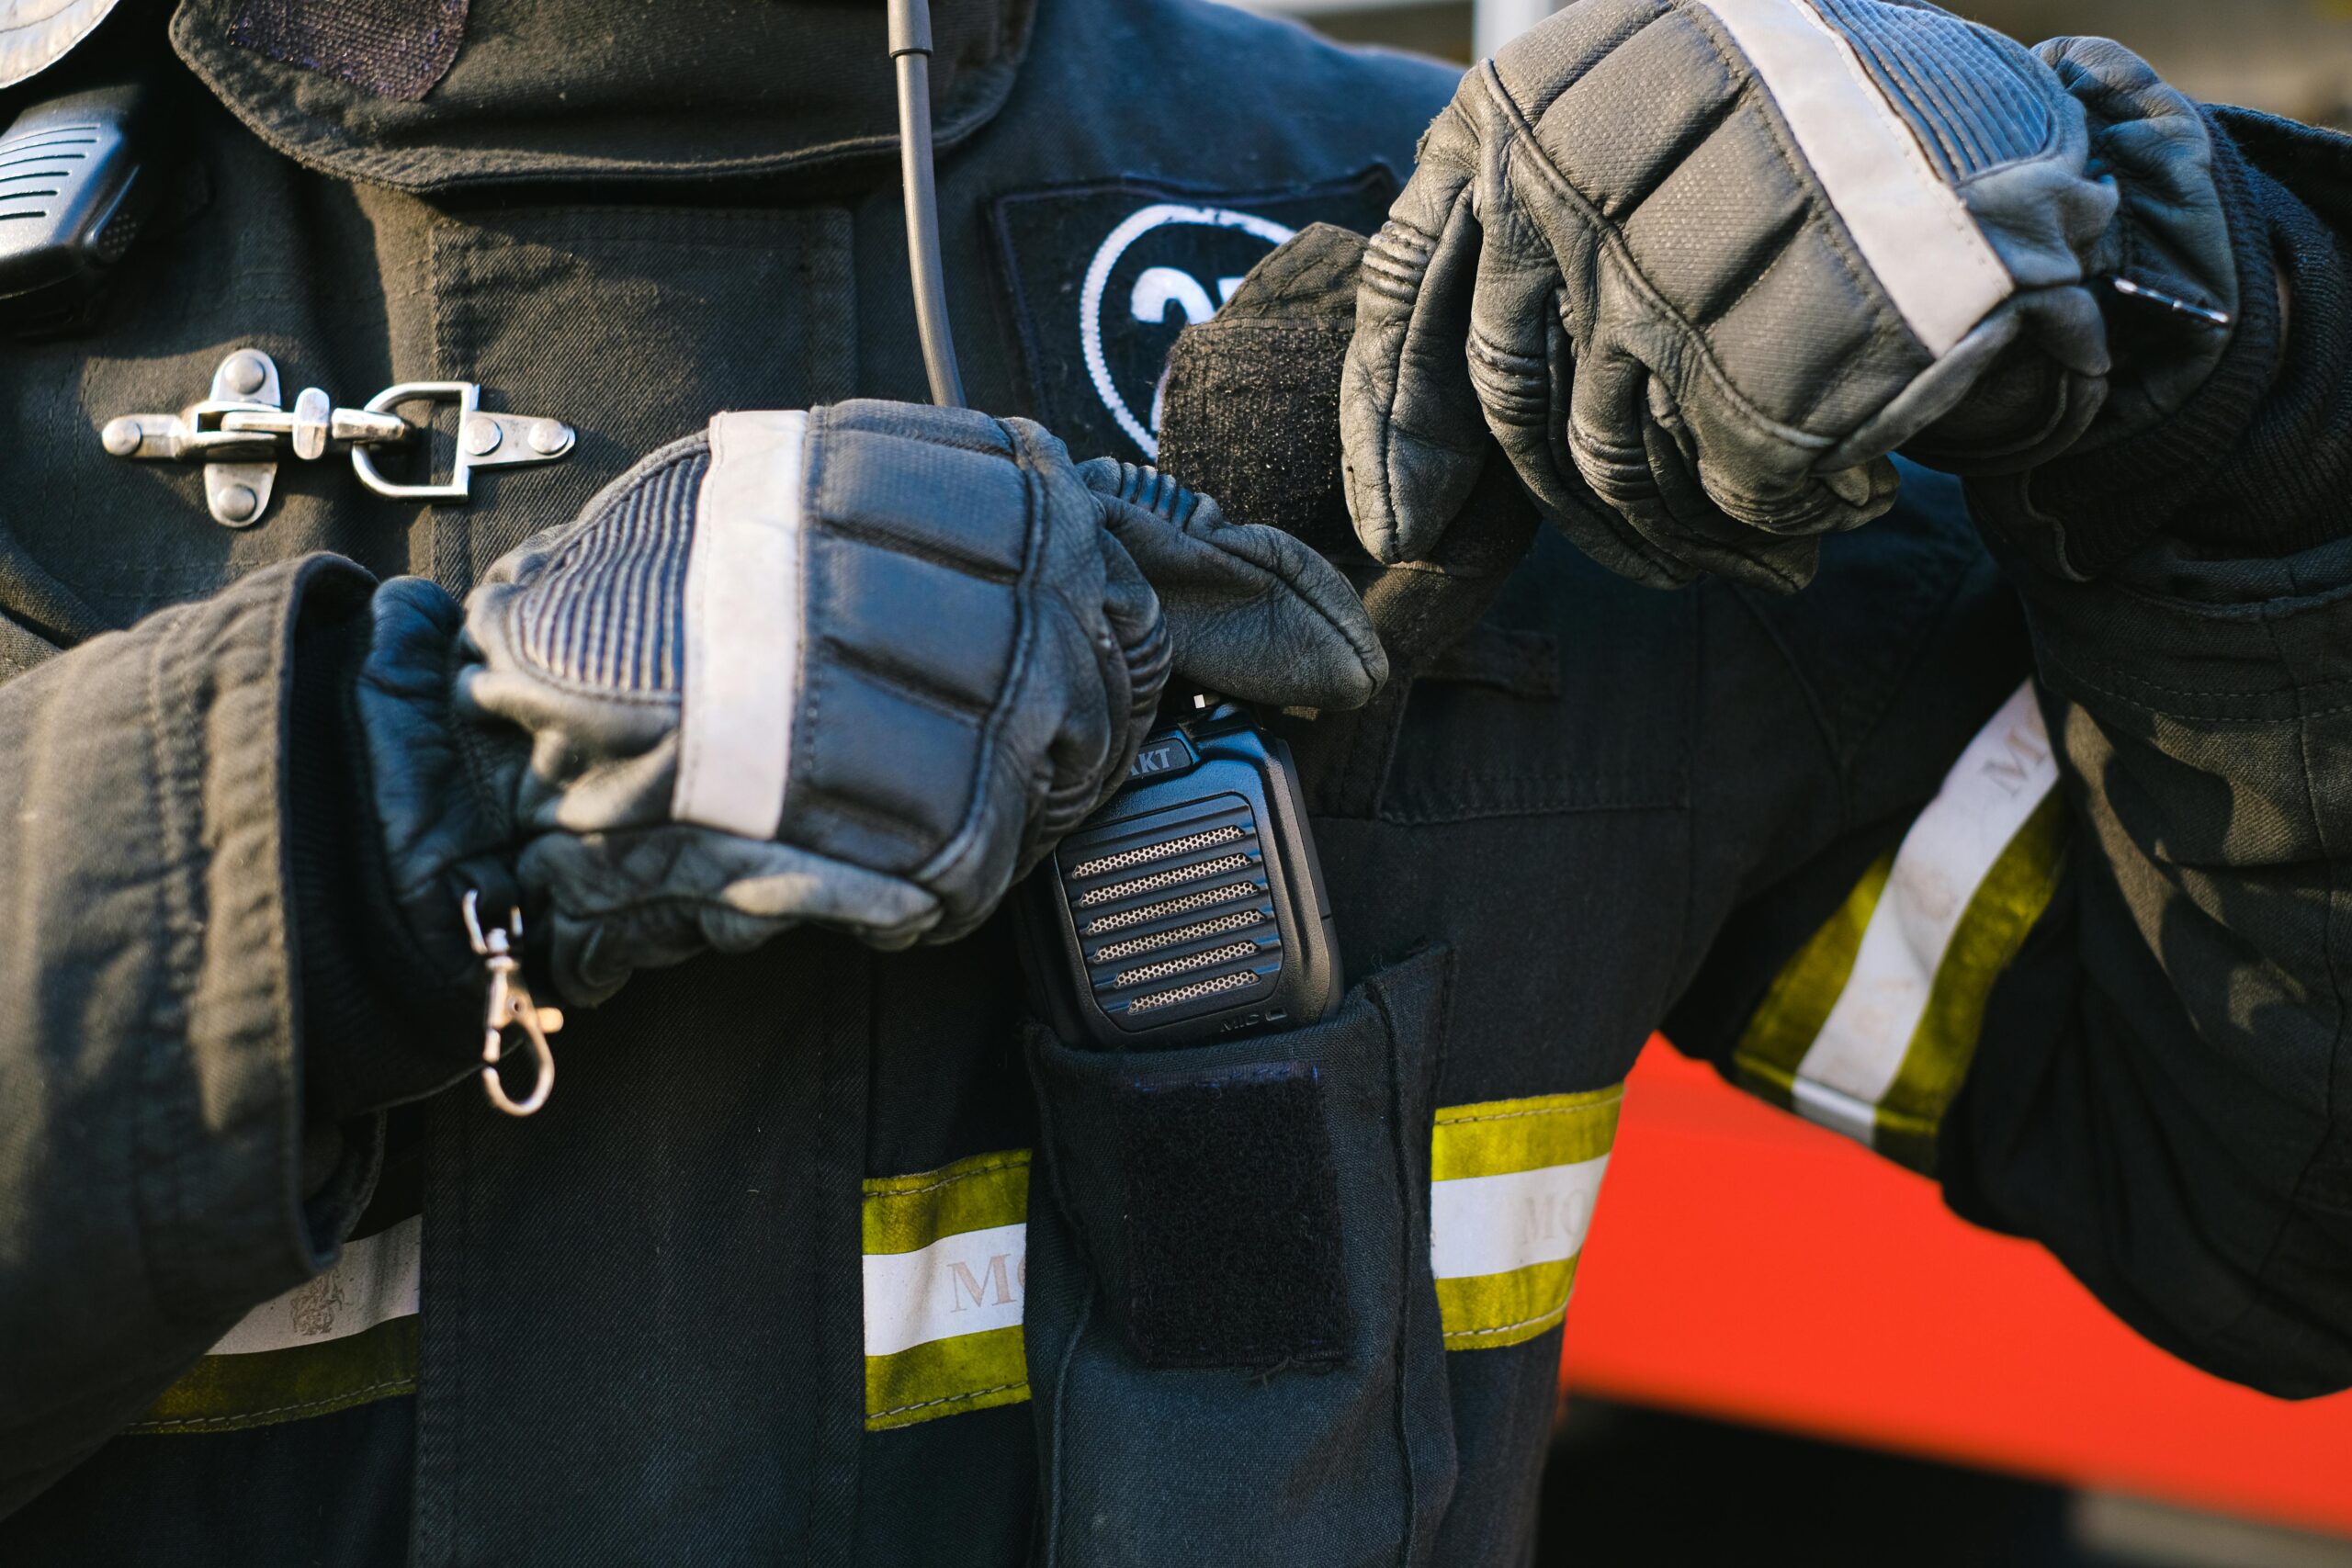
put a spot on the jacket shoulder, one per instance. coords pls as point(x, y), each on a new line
point(1225, 76)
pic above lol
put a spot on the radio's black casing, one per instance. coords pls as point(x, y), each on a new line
point(1134, 929)
point(80, 177)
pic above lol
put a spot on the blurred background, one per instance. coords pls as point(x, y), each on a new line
point(1783, 1347)
point(2294, 57)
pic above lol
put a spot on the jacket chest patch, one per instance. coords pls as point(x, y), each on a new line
point(1104, 277)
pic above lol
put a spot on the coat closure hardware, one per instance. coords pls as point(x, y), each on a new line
point(241, 432)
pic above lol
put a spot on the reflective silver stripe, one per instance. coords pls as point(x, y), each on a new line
point(2004, 775)
point(965, 1283)
point(1494, 1224)
point(743, 626)
point(374, 1281)
point(1911, 227)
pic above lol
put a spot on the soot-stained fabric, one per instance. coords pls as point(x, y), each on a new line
point(395, 49)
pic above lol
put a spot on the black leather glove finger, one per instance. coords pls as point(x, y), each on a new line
point(1254, 612)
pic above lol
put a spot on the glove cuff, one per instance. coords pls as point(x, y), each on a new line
point(2252, 464)
point(390, 1004)
point(2107, 499)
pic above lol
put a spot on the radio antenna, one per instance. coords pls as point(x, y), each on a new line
point(910, 48)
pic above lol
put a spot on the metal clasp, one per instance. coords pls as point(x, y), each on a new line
point(510, 1006)
point(485, 440)
point(242, 431)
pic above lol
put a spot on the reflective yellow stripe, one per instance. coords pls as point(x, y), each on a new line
point(227, 1393)
point(1503, 1135)
point(1488, 1312)
point(1998, 921)
point(945, 1255)
point(945, 1377)
point(1870, 1027)
point(344, 1337)
point(1797, 1003)
point(1512, 1183)
point(904, 1214)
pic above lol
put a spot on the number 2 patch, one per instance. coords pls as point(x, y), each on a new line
point(1103, 277)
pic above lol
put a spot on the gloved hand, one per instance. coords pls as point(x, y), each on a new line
point(1699, 265)
point(858, 667)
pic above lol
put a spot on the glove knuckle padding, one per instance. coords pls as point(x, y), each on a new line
point(925, 745)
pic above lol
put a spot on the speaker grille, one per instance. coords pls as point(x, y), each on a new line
point(1186, 886)
point(42, 166)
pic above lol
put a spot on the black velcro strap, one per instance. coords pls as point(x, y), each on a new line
point(394, 49)
point(1234, 1254)
point(1250, 415)
point(1250, 411)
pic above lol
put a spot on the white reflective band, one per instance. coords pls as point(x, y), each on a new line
point(1513, 1184)
point(2003, 776)
point(1492, 1224)
point(958, 1285)
point(1911, 227)
point(374, 1281)
point(743, 626)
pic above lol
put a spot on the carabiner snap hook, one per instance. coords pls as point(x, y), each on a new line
point(510, 1005)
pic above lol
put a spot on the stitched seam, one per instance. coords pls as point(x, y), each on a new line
point(1401, 1163)
point(2074, 673)
point(404, 1385)
point(965, 1175)
point(1522, 1323)
point(948, 1399)
point(904, 682)
point(883, 537)
point(1514, 1115)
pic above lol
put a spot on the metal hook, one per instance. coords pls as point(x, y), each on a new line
point(510, 1006)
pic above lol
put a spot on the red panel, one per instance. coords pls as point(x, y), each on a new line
point(1745, 1264)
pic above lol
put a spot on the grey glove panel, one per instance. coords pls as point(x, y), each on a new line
point(1713, 259)
point(605, 605)
point(1964, 89)
point(983, 734)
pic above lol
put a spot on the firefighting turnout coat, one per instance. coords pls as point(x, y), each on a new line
point(825, 1255)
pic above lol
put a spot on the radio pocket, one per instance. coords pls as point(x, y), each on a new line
point(1232, 1334)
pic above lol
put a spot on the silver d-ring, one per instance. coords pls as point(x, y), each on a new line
point(467, 395)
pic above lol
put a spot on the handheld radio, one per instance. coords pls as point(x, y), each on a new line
point(1190, 906)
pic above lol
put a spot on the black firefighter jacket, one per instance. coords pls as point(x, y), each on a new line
point(825, 1256)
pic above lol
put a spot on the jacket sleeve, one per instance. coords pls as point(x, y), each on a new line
point(157, 1177)
point(2083, 948)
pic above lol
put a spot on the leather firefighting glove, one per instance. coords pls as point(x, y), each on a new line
point(858, 667)
point(1699, 265)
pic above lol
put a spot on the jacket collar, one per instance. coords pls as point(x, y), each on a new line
point(619, 91)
